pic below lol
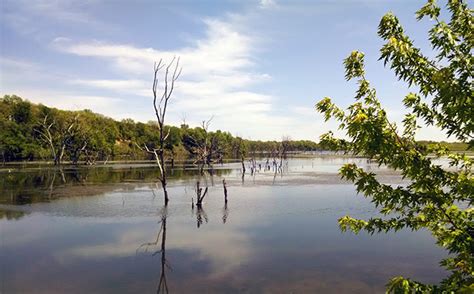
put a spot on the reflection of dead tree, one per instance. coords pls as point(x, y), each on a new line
point(52, 182)
point(153, 191)
point(253, 166)
point(160, 105)
point(63, 176)
point(51, 186)
point(225, 213)
point(200, 213)
point(162, 284)
point(200, 216)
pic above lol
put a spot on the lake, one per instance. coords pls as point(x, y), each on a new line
point(105, 230)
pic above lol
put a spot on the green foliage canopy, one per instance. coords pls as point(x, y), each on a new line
point(99, 138)
point(437, 199)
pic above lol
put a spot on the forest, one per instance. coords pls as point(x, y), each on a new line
point(35, 132)
point(269, 219)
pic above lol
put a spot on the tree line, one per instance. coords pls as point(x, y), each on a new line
point(35, 132)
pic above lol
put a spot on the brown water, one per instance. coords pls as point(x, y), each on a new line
point(104, 230)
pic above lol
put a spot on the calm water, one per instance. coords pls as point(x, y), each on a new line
point(104, 230)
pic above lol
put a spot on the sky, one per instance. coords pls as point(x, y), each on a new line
point(258, 67)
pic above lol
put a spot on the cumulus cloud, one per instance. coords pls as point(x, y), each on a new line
point(223, 51)
point(219, 73)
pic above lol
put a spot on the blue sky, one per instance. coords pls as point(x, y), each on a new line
point(257, 66)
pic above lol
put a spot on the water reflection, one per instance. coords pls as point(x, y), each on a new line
point(161, 242)
point(42, 185)
point(201, 216)
point(279, 238)
point(163, 285)
point(225, 213)
point(11, 214)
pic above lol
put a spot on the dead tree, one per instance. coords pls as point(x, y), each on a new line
point(205, 150)
point(46, 135)
point(57, 136)
point(160, 105)
point(283, 150)
point(76, 151)
point(200, 196)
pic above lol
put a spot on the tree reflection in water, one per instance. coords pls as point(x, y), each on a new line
point(161, 236)
point(201, 216)
point(225, 213)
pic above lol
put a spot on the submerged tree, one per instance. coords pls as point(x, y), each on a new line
point(204, 145)
point(160, 105)
point(437, 199)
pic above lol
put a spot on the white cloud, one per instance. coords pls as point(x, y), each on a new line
point(106, 105)
point(267, 3)
point(29, 16)
point(135, 87)
point(225, 249)
point(224, 51)
point(219, 73)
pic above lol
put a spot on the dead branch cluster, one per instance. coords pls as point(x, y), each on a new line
point(273, 162)
point(57, 135)
point(206, 150)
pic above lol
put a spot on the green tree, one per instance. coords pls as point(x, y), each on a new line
point(57, 130)
point(437, 199)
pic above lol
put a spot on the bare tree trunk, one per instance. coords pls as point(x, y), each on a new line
point(200, 195)
point(163, 175)
point(160, 107)
point(57, 139)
